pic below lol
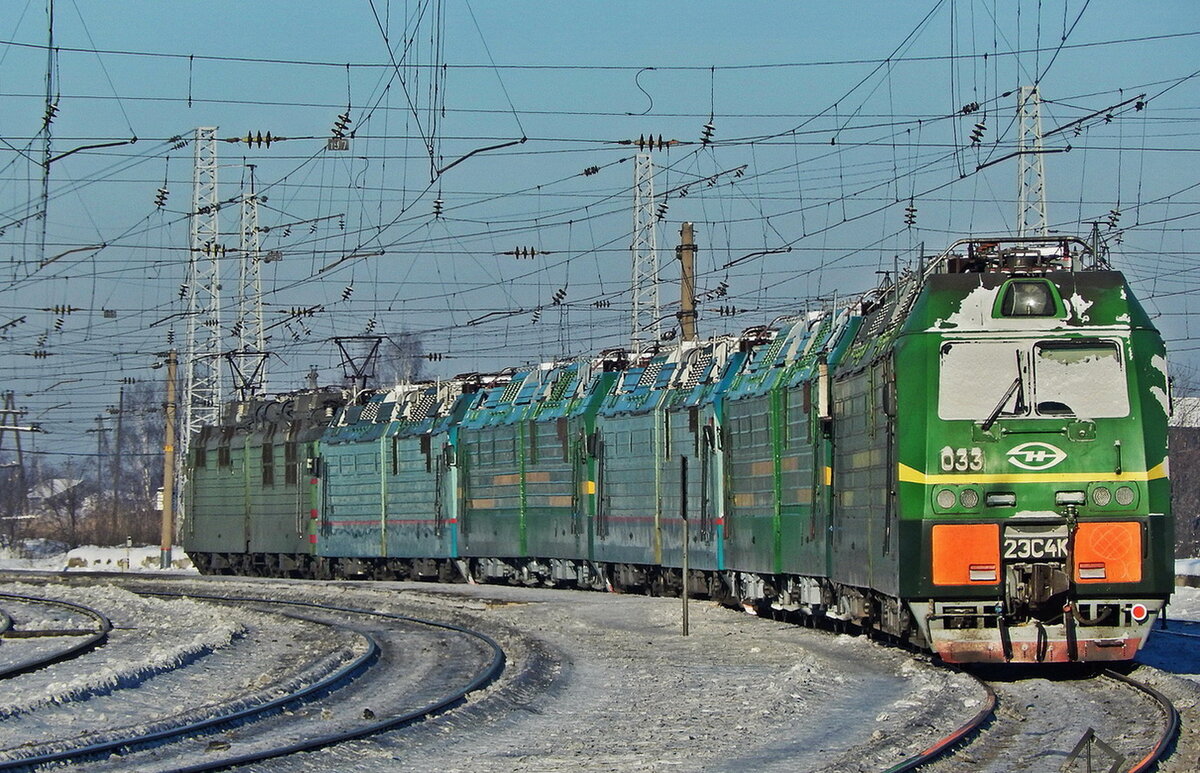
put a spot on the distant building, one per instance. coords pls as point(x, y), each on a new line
point(51, 489)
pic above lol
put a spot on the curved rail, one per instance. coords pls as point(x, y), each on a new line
point(348, 672)
point(962, 733)
point(87, 644)
point(482, 679)
point(1167, 738)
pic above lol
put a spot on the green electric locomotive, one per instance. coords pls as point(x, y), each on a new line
point(1031, 439)
point(971, 458)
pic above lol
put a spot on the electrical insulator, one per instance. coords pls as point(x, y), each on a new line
point(312, 228)
point(559, 295)
point(591, 170)
point(537, 316)
point(129, 380)
point(341, 222)
point(346, 293)
point(40, 354)
point(977, 133)
point(183, 291)
point(706, 133)
point(662, 210)
point(650, 142)
point(602, 304)
point(259, 139)
point(340, 125)
point(171, 336)
point(434, 357)
point(51, 112)
point(726, 311)
point(1114, 215)
point(683, 192)
point(287, 231)
point(160, 198)
point(370, 325)
point(910, 215)
point(970, 108)
point(438, 206)
point(58, 323)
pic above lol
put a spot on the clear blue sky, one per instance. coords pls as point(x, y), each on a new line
point(829, 118)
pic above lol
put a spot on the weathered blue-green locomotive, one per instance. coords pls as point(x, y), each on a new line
point(972, 458)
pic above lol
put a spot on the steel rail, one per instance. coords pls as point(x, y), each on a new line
point(482, 679)
point(951, 741)
point(84, 645)
point(1170, 732)
point(332, 681)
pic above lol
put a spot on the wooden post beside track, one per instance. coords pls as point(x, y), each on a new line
point(168, 508)
point(683, 515)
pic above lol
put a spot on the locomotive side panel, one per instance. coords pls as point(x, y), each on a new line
point(216, 500)
point(492, 523)
point(804, 532)
point(686, 440)
point(419, 516)
point(751, 523)
point(352, 519)
point(554, 526)
point(864, 540)
point(628, 501)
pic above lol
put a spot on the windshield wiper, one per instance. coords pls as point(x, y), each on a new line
point(1016, 386)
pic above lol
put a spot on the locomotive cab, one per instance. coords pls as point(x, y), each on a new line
point(1039, 469)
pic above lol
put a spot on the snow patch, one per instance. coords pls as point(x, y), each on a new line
point(975, 308)
point(1079, 307)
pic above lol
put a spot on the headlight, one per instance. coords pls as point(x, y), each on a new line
point(1124, 496)
point(945, 499)
point(1101, 496)
point(969, 498)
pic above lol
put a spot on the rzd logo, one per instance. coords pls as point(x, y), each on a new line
point(1035, 456)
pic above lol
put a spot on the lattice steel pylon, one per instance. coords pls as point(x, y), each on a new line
point(202, 390)
point(251, 351)
point(646, 315)
point(1031, 173)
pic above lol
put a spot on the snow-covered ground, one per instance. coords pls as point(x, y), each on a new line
point(1188, 566)
point(43, 555)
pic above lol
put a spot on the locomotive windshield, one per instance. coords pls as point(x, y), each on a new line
point(989, 380)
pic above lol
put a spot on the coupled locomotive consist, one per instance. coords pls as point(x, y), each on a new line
point(972, 458)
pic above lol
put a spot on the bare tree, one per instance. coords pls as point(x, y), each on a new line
point(401, 359)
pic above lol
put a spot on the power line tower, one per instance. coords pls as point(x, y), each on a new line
point(202, 389)
point(645, 316)
point(250, 373)
point(1031, 173)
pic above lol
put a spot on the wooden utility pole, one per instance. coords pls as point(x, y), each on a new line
point(686, 252)
point(168, 495)
point(116, 462)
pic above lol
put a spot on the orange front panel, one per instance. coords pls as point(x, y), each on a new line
point(1108, 552)
point(959, 548)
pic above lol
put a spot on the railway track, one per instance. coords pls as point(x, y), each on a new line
point(1102, 718)
point(364, 696)
point(78, 640)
